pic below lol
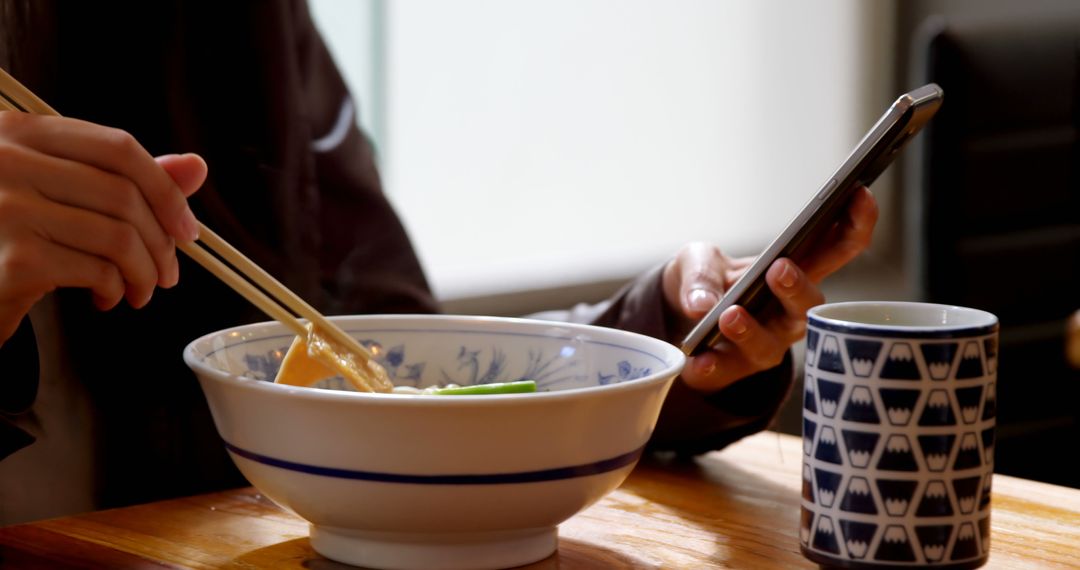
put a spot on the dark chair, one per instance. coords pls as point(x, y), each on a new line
point(993, 215)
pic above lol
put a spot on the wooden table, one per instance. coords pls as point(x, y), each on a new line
point(738, 508)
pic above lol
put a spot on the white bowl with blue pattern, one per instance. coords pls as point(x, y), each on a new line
point(423, 481)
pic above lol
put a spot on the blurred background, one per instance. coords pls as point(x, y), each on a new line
point(541, 153)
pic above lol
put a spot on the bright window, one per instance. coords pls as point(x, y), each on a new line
point(539, 143)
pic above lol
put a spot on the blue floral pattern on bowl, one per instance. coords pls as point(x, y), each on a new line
point(552, 368)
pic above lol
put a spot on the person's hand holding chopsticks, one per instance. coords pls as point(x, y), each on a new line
point(140, 189)
point(82, 205)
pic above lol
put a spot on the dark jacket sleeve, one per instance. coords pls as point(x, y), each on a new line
point(18, 386)
point(367, 259)
point(694, 422)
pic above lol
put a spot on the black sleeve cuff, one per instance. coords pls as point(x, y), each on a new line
point(693, 422)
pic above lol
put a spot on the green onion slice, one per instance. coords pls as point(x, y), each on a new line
point(518, 387)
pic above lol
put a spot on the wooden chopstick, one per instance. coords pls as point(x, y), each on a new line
point(16, 97)
point(274, 287)
point(246, 290)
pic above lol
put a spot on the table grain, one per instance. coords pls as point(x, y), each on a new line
point(737, 508)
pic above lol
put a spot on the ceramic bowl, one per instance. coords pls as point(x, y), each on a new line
point(423, 481)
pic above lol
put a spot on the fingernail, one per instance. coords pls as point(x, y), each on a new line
point(733, 322)
point(707, 368)
point(137, 302)
point(174, 273)
point(189, 225)
point(788, 275)
point(701, 299)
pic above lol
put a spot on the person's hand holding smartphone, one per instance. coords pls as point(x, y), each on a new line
point(762, 309)
point(751, 343)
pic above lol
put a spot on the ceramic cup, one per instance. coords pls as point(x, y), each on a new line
point(898, 435)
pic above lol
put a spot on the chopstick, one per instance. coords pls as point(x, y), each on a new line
point(15, 97)
point(280, 294)
point(271, 285)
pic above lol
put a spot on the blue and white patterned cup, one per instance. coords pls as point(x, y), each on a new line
point(898, 435)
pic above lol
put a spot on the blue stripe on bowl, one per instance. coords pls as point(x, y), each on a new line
point(555, 474)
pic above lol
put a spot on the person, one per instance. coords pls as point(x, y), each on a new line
point(220, 112)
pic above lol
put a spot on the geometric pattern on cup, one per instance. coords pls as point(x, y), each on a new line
point(898, 455)
point(809, 430)
point(990, 345)
point(861, 446)
point(857, 537)
point(808, 484)
point(897, 495)
point(970, 362)
point(827, 447)
point(937, 450)
point(967, 493)
point(942, 360)
point(863, 355)
point(900, 363)
point(828, 484)
point(895, 546)
point(969, 399)
point(809, 399)
point(825, 536)
point(990, 406)
point(966, 544)
point(988, 444)
point(829, 394)
point(860, 406)
point(899, 404)
point(984, 534)
point(830, 359)
point(939, 358)
point(858, 498)
point(935, 501)
point(969, 456)
point(898, 491)
point(938, 410)
point(811, 347)
point(934, 539)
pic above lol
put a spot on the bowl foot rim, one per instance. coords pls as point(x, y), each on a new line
point(451, 551)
